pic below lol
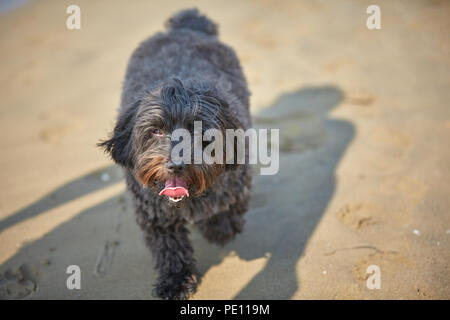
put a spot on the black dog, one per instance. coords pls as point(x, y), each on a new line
point(172, 80)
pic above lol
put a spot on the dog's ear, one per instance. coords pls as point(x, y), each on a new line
point(119, 146)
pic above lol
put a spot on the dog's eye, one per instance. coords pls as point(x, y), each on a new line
point(157, 132)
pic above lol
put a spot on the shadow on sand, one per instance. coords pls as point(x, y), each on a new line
point(284, 211)
point(286, 208)
point(77, 188)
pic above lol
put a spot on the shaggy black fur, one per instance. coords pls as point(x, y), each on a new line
point(173, 79)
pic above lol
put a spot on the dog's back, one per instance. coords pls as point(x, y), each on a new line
point(189, 50)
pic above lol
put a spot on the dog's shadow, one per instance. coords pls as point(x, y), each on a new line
point(284, 211)
point(285, 208)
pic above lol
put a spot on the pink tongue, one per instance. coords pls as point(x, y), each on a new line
point(175, 187)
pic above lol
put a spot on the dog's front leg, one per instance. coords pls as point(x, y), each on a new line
point(173, 255)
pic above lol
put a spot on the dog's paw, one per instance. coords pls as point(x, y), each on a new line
point(222, 229)
point(219, 236)
point(178, 286)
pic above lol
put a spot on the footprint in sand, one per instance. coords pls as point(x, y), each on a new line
point(392, 137)
point(54, 134)
point(19, 283)
point(359, 98)
point(390, 262)
point(357, 216)
point(105, 258)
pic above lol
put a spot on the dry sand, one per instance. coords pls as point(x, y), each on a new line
point(365, 162)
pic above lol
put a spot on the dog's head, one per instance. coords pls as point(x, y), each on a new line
point(142, 139)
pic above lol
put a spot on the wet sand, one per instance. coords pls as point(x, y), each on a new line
point(364, 166)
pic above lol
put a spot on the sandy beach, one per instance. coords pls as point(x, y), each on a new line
point(364, 121)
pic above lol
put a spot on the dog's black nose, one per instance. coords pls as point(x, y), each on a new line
point(175, 168)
